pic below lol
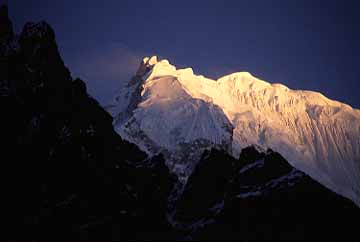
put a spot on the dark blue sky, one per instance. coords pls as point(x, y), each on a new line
point(303, 44)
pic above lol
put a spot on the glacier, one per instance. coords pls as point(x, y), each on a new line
point(180, 114)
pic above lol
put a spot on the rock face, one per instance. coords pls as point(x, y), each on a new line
point(66, 172)
point(6, 29)
point(174, 109)
point(260, 196)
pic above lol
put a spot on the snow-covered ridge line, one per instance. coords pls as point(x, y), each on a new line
point(176, 108)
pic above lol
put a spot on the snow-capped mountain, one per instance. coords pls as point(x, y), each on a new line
point(159, 114)
point(178, 113)
point(67, 173)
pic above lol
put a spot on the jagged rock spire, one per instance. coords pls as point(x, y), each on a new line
point(6, 28)
point(146, 64)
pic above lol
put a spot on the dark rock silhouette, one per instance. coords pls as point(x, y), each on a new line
point(261, 196)
point(6, 29)
point(66, 173)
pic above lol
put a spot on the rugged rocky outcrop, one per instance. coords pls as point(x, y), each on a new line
point(6, 29)
point(260, 196)
point(66, 173)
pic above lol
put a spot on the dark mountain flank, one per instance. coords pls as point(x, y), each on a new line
point(66, 173)
point(260, 196)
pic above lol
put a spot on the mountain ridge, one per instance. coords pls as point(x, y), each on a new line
point(317, 135)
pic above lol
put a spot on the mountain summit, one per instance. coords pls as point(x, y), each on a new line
point(5, 23)
point(157, 112)
point(173, 111)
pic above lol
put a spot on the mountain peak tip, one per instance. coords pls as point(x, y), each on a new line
point(4, 10)
point(148, 63)
point(153, 60)
point(5, 23)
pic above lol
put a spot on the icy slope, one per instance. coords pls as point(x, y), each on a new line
point(170, 108)
point(317, 135)
point(159, 115)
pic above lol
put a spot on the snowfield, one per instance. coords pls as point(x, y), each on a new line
point(180, 114)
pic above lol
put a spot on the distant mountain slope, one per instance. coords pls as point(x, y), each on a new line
point(171, 109)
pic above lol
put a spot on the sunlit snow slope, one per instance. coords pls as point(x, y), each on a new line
point(177, 112)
